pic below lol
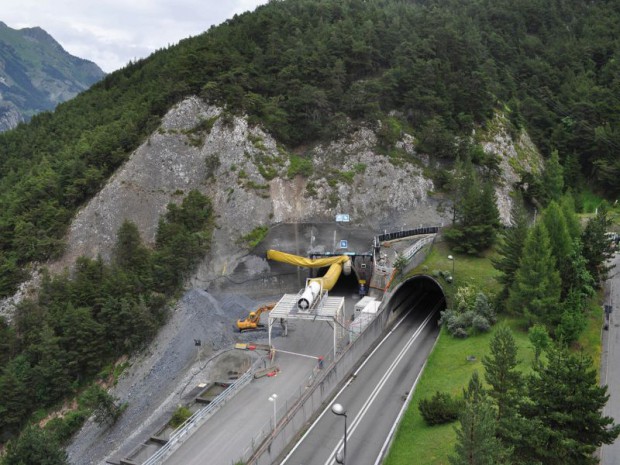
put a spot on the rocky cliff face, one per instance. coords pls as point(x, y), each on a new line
point(515, 158)
point(248, 177)
point(36, 74)
point(252, 182)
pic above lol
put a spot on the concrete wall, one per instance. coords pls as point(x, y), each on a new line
point(255, 275)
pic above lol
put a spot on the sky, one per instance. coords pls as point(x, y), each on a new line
point(113, 32)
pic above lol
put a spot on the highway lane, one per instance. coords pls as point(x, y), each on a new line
point(610, 369)
point(373, 396)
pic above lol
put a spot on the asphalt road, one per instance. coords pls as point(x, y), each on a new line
point(373, 396)
point(610, 370)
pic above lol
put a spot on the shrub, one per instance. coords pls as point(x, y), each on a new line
point(255, 237)
point(299, 165)
point(472, 310)
point(441, 408)
point(481, 323)
point(179, 416)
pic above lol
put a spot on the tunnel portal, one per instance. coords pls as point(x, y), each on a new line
point(414, 289)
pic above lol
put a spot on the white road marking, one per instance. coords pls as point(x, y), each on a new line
point(351, 378)
point(360, 416)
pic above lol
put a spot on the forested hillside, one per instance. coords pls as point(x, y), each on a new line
point(309, 70)
point(36, 74)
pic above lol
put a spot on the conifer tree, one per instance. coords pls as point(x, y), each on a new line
point(536, 290)
point(502, 376)
point(476, 217)
point(567, 204)
point(476, 443)
point(564, 412)
point(129, 253)
point(560, 240)
point(553, 178)
point(35, 446)
point(596, 246)
point(511, 244)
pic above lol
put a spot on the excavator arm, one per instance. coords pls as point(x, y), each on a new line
point(252, 321)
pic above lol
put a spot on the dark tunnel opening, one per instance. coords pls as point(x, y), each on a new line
point(423, 291)
point(345, 286)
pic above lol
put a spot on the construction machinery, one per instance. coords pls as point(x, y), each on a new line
point(252, 321)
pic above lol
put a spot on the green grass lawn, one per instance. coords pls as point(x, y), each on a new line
point(448, 368)
point(468, 270)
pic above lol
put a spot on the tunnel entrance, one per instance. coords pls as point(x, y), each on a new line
point(346, 286)
point(418, 288)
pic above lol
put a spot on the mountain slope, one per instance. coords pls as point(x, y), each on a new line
point(36, 74)
point(311, 70)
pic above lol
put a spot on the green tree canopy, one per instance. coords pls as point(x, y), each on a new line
point(510, 245)
point(536, 290)
point(565, 410)
point(476, 443)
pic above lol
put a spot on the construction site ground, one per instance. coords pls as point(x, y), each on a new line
point(176, 365)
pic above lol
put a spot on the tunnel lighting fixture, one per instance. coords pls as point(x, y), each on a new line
point(451, 258)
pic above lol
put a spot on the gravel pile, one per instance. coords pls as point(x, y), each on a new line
point(157, 380)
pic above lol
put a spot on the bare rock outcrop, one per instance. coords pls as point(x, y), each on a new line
point(252, 182)
point(515, 158)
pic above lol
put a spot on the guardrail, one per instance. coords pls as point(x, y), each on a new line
point(407, 233)
point(183, 431)
point(415, 248)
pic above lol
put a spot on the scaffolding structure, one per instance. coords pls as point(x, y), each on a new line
point(330, 309)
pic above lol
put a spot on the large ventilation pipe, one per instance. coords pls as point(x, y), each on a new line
point(337, 265)
point(311, 292)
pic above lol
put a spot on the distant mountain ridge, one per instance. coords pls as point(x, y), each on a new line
point(36, 74)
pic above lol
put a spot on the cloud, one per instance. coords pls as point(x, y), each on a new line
point(113, 32)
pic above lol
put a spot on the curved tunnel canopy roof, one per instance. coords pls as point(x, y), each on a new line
point(416, 284)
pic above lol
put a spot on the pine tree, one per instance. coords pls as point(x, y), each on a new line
point(553, 178)
point(567, 204)
point(539, 337)
point(564, 412)
point(502, 376)
point(560, 240)
point(129, 253)
point(596, 246)
point(536, 289)
point(35, 446)
point(476, 443)
point(510, 246)
point(476, 216)
point(15, 392)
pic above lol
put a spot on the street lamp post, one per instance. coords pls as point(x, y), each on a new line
point(451, 258)
point(272, 398)
point(339, 410)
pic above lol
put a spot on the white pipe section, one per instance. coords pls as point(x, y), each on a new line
point(311, 292)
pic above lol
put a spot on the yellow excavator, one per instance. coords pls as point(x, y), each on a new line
point(253, 319)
